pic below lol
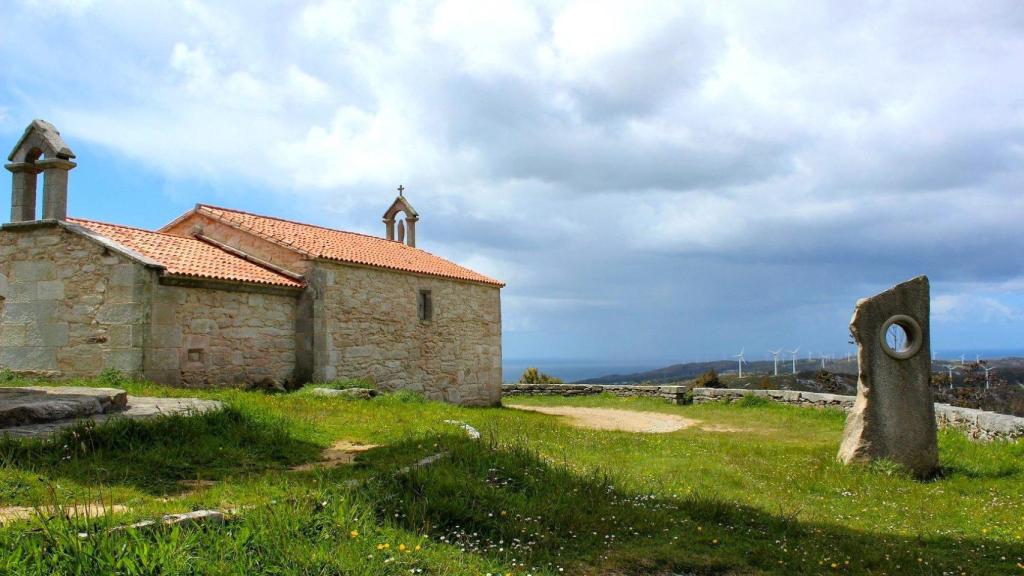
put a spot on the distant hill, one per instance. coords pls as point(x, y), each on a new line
point(680, 372)
point(1010, 369)
point(1007, 398)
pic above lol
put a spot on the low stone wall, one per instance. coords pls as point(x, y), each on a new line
point(673, 394)
point(795, 397)
point(977, 424)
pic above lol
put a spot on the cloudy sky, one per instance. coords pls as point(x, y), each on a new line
point(656, 181)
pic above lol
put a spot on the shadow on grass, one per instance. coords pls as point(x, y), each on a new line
point(512, 505)
point(498, 506)
point(154, 454)
point(1000, 472)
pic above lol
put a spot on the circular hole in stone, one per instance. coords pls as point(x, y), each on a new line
point(901, 337)
point(897, 338)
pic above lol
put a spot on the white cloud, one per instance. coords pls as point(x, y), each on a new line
point(489, 37)
point(586, 151)
point(196, 69)
point(333, 20)
point(978, 308)
point(358, 147)
point(589, 35)
point(306, 87)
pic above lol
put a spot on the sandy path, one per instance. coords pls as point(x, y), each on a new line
point(341, 452)
point(615, 419)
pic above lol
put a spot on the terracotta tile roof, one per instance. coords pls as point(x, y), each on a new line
point(187, 256)
point(329, 244)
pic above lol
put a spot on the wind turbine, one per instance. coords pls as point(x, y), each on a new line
point(740, 361)
point(950, 368)
point(793, 352)
point(963, 358)
point(775, 357)
point(987, 369)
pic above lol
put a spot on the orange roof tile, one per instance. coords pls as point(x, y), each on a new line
point(319, 242)
point(187, 256)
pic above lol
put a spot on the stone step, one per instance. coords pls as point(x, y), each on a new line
point(39, 404)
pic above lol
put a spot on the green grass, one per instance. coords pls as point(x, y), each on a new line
point(344, 383)
point(535, 495)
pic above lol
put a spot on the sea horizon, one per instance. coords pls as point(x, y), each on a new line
point(575, 369)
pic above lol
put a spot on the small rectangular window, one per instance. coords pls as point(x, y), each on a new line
point(195, 355)
point(426, 306)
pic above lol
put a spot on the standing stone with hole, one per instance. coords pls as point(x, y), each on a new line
point(893, 417)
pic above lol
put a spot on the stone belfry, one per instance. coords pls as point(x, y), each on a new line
point(401, 230)
point(40, 150)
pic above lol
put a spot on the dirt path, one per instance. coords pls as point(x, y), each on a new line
point(341, 452)
point(615, 419)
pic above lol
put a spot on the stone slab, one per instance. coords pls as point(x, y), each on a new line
point(138, 407)
point(41, 404)
point(10, 514)
point(194, 518)
point(359, 393)
point(472, 432)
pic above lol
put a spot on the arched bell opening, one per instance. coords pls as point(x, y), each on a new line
point(400, 220)
point(41, 150)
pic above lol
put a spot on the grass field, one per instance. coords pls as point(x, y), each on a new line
point(533, 496)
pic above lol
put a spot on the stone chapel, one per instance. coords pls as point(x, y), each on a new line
point(223, 297)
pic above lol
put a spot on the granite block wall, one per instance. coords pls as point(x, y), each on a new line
point(367, 325)
point(200, 337)
point(72, 308)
